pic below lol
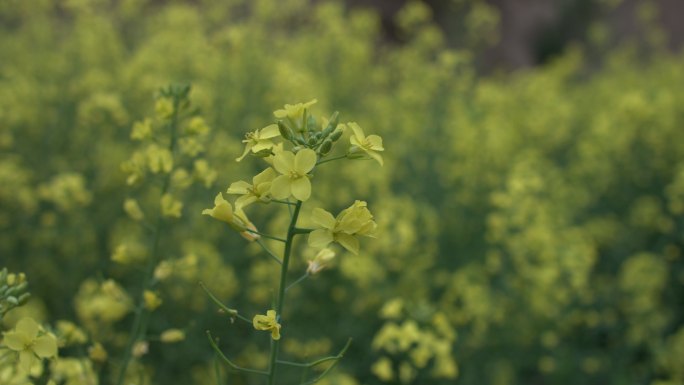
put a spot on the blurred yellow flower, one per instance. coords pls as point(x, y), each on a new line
point(267, 322)
point(259, 140)
point(350, 222)
point(170, 206)
point(294, 179)
point(293, 111)
point(152, 300)
point(133, 210)
point(97, 353)
point(259, 190)
point(26, 339)
point(370, 144)
point(172, 335)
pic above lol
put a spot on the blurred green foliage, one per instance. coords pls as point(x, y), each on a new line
point(530, 224)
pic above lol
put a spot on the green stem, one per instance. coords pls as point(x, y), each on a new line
point(281, 291)
point(231, 312)
point(139, 326)
point(300, 279)
point(266, 235)
point(330, 159)
point(267, 250)
point(229, 362)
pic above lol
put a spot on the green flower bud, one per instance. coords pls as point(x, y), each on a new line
point(326, 147)
point(312, 141)
point(285, 131)
point(336, 135)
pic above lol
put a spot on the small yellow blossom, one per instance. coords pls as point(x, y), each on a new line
point(237, 219)
point(142, 130)
point(293, 111)
point(159, 159)
point(170, 206)
point(294, 179)
point(132, 208)
point(259, 140)
point(267, 322)
point(28, 340)
point(204, 173)
point(163, 271)
point(320, 261)
point(152, 300)
point(97, 353)
point(164, 108)
point(350, 222)
point(370, 144)
point(197, 126)
point(140, 349)
point(172, 335)
point(70, 334)
point(382, 368)
point(259, 190)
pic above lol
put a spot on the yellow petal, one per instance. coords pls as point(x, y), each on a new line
point(347, 241)
point(323, 218)
point(280, 187)
point(320, 238)
point(29, 327)
point(26, 359)
point(304, 161)
point(284, 162)
point(244, 154)
point(244, 201)
point(16, 341)
point(375, 142)
point(270, 131)
point(358, 132)
point(275, 333)
point(376, 156)
point(239, 187)
point(301, 188)
point(263, 177)
point(262, 144)
point(45, 346)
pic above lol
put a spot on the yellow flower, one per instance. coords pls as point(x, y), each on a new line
point(293, 111)
point(170, 206)
point(26, 341)
point(132, 208)
point(152, 300)
point(237, 219)
point(350, 222)
point(142, 130)
point(172, 335)
point(164, 108)
point(295, 178)
point(320, 261)
point(267, 322)
point(259, 140)
point(370, 144)
point(259, 190)
point(97, 352)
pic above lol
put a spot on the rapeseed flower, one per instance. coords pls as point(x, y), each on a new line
point(293, 111)
point(267, 322)
point(259, 190)
point(350, 222)
point(30, 343)
point(371, 144)
point(294, 179)
point(223, 211)
point(259, 140)
point(320, 261)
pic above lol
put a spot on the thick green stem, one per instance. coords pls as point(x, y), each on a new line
point(291, 232)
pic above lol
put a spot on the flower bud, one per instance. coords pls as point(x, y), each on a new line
point(285, 131)
point(335, 136)
point(325, 147)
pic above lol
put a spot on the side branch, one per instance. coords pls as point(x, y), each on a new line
point(229, 362)
point(229, 311)
point(319, 361)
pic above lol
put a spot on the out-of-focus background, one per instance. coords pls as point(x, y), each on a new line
point(530, 209)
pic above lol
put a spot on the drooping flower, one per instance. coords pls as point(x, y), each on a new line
point(28, 340)
point(267, 322)
point(370, 144)
point(353, 221)
point(259, 140)
point(259, 190)
point(320, 261)
point(293, 111)
point(294, 179)
point(237, 219)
